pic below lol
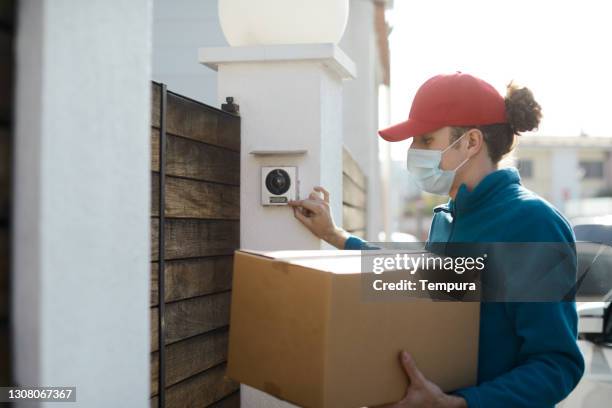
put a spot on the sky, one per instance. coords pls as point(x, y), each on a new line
point(561, 50)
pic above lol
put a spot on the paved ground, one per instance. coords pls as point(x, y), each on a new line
point(595, 389)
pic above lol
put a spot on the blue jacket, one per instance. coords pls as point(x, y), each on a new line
point(528, 356)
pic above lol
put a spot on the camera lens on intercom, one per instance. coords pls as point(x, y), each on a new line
point(278, 181)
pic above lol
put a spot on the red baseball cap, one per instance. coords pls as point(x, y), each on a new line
point(457, 99)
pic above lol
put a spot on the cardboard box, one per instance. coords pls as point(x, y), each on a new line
point(301, 330)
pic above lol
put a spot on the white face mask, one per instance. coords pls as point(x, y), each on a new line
point(424, 166)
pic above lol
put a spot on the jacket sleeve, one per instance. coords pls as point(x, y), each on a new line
point(550, 361)
point(357, 243)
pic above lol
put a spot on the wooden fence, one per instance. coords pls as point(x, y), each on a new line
point(6, 103)
point(354, 196)
point(199, 165)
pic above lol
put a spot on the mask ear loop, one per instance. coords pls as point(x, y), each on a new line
point(462, 163)
point(452, 144)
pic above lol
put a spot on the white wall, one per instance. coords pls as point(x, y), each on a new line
point(564, 163)
point(182, 26)
point(361, 105)
point(82, 199)
point(268, 125)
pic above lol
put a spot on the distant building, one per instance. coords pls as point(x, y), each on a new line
point(561, 169)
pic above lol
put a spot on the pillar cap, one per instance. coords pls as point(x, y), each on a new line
point(327, 53)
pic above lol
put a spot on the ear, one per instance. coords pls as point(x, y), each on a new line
point(475, 140)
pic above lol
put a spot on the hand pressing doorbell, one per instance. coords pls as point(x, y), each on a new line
point(279, 185)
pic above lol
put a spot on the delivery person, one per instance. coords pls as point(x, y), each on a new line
point(461, 129)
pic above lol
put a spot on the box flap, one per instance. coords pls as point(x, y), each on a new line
point(287, 254)
point(334, 261)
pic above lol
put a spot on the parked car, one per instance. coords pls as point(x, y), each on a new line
point(594, 291)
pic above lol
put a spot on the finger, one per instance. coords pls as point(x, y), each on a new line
point(295, 203)
point(301, 217)
point(314, 196)
point(324, 191)
point(414, 374)
point(312, 205)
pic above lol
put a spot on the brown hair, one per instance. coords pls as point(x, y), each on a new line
point(523, 114)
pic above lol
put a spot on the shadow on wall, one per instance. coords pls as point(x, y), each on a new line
point(7, 20)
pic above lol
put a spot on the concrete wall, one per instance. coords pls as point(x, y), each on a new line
point(82, 180)
point(182, 26)
point(269, 126)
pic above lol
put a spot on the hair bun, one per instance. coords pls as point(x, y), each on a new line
point(522, 110)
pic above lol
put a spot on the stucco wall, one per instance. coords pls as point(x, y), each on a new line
point(182, 26)
point(82, 180)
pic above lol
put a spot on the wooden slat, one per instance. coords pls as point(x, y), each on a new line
point(4, 272)
point(186, 158)
point(5, 173)
point(352, 169)
point(5, 355)
point(154, 364)
point(196, 199)
point(192, 317)
point(196, 316)
point(353, 218)
point(354, 191)
point(7, 13)
point(231, 401)
point(228, 131)
point(155, 104)
point(154, 402)
point(192, 277)
point(202, 232)
point(6, 75)
point(5, 360)
point(190, 357)
point(352, 194)
point(201, 390)
point(154, 313)
point(155, 150)
point(187, 238)
point(154, 301)
point(196, 121)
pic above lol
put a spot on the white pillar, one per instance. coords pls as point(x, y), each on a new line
point(82, 200)
point(362, 107)
point(290, 99)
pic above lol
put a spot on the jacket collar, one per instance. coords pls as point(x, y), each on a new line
point(488, 187)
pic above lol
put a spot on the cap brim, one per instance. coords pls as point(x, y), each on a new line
point(406, 130)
